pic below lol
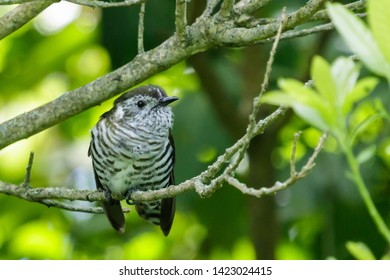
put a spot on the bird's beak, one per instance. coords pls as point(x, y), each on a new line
point(167, 100)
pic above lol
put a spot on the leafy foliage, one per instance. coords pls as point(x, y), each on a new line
point(370, 44)
point(337, 89)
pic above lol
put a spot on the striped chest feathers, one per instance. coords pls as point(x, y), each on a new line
point(131, 158)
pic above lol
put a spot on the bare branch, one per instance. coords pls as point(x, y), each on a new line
point(211, 4)
point(141, 18)
point(249, 36)
point(300, 33)
point(106, 4)
point(72, 207)
point(264, 85)
point(27, 178)
point(293, 151)
point(88, 3)
point(279, 186)
point(39, 194)
point(226, 9)
point(12, 2)
point(181, 19)
point(357, 7)
point(321, 15)
point(49, 196)
point(249, 7)
point(22, 14)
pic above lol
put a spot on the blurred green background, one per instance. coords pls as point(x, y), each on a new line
point(69, 46)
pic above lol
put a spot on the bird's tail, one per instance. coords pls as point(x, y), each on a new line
point(114, 213)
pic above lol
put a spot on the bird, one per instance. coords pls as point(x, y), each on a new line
point(132, 149)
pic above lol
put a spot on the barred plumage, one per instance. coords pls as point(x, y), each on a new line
point(132, 149)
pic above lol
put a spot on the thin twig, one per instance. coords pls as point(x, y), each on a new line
point(321, 15)
point(279, 186)
point(88, 3)
point(211, 4)
point(235, 36)
point(72, 207)
point(252, 118)
point(304, 32)
point(181, 19)
point(105, 4)
point(27, 178)
point(12, 2)
point(264, 85)
point(141, 21)
point(249, 7)
point(226, 9)
point(293, 153)
point(311, 162)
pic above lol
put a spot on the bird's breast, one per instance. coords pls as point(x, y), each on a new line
point(131, 158)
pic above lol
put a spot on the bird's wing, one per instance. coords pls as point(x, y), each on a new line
point(168, 205)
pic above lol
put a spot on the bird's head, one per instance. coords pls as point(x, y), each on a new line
point(145, 105)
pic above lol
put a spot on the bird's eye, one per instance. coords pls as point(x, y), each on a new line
point(141, 103)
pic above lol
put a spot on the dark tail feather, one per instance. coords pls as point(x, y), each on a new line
point(168, 206)
point(112, 208)
point(115, 215)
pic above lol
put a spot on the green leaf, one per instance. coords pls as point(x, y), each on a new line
point(362, 88)
point(307, 113)
point(302, 94)
point(359, 251)
point(364, 126)
point(277, 98)
point(379, 21)
point(344, 74)
point(359, 39)
point(308, 101)
point(322, 77)
point(305, 102)
point(366, 154)
point(311, 116)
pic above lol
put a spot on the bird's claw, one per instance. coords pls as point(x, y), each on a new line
point(128, 194)
point(108, 197)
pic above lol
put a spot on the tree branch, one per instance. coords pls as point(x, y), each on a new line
point(106, 4)
point(249, 7)
point(181, 19)
point(89, 3)
point(321, 15)
point(211, 5)
point(27, 178)
point(279, 186)
point(49, 196)
point(141, 18)
point(20, 15)
point(226, 9)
